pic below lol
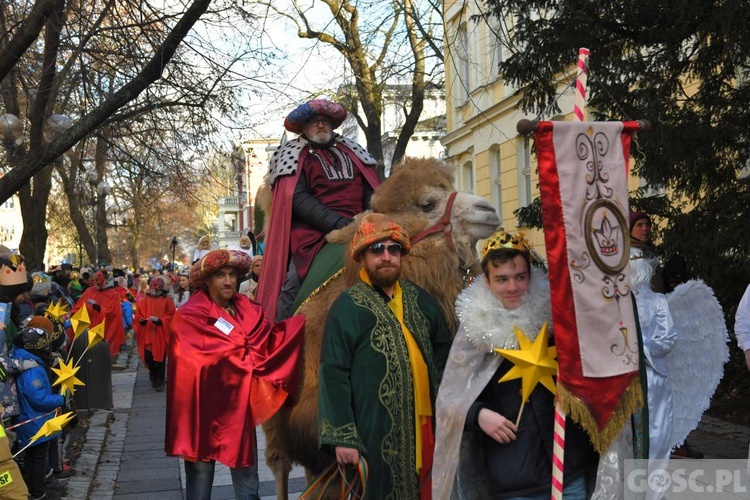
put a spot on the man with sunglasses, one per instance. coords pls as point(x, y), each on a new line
point(320, 181)
point(383, 353)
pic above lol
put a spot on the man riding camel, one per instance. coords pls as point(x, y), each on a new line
point(319, 181)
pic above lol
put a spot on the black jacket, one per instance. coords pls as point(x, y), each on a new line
point(524, 466)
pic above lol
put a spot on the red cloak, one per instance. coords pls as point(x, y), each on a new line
point(227, 375)
point(110, 310)
point(278, 241)
point(150, 336)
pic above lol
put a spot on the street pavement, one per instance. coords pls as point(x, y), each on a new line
point(123, 454)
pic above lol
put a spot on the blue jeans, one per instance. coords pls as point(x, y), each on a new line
point(199, 479)
point(575, 490)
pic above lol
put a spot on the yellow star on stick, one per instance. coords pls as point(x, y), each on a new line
point(67, 379)
point(57, 310)
point(52, 426)
point(534, 362)
point(80, 321)
point(96, 335)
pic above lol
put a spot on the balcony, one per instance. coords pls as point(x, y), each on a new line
point(233, 201)
point(229, 235)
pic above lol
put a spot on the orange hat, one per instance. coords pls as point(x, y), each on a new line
point(41, 322)
point(376, 227)
point(215, 260)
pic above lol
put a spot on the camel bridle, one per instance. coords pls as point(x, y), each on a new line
point(441, 226)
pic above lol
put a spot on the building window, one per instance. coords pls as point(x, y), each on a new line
point(8, 204)
point(461, 62)
point(467, 177)
point(523, 155)
point(496, 184)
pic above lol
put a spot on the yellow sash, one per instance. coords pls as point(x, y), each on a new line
point(422, 404)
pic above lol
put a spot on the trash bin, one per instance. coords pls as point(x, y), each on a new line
point(96, 373)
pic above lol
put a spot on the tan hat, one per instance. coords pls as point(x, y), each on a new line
point(376, 227)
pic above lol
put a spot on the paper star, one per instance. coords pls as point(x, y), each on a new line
point(80, 321)
point(57, 310)
point(534, 363)
point(67, 377)
point(96, 335)
point(52, 426)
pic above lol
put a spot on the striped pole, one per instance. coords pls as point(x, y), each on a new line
point(558, 445)
point(582, 75)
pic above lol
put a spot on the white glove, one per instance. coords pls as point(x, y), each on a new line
point(28, 364)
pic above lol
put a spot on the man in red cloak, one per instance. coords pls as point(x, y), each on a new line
point(228, 371)
point(152, 320)
point(104, 303)
point(320, 181)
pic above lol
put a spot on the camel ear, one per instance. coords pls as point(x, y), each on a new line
point(345, 234)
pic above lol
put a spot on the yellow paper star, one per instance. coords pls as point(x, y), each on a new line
point(534, 362)
point(52, 426)
point(67, 377)
point(80, 321)
point(96, 334)
point(54, 311)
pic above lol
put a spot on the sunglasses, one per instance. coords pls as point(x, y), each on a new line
point(379, 248)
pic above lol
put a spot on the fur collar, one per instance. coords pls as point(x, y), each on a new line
point(285, 161)
point(488, 325)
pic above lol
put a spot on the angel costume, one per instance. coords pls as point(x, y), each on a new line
point(481, 467)
point(659, 336)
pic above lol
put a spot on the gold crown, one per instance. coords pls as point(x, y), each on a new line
point(501, 239)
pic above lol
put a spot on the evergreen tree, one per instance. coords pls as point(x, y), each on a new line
point(685, 67)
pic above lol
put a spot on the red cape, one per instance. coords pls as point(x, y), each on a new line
point(277, 251)
point(111, 312)
point(222, 385)
point(149, 336)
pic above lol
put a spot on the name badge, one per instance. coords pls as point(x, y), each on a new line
point(225, 326)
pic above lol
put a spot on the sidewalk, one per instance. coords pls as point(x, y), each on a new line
point(123, 456)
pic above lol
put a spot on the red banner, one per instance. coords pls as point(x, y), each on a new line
point(584, 194)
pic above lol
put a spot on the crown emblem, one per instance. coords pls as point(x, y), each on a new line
point(606, 237)
point(501, 239)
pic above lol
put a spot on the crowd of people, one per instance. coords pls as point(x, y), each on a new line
point(34, 342)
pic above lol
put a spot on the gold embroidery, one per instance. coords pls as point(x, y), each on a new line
point(395, 391)
point(346, 434)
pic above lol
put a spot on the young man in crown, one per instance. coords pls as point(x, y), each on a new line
point(478, 444)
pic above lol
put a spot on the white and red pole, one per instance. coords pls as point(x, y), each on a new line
point(558, 444)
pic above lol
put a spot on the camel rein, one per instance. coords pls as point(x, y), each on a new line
point(443, 225)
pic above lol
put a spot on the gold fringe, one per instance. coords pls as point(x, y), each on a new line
point(319, 289)
point(581, 414)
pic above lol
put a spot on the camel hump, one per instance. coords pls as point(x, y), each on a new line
point(328, 263)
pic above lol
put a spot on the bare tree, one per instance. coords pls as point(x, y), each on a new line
point(382, 43)
point(103, 64)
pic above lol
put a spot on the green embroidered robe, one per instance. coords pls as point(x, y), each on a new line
point(366, 398)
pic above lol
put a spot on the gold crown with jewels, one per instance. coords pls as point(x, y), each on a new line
point(501, 239)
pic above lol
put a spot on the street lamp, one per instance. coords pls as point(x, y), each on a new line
point(11, 129)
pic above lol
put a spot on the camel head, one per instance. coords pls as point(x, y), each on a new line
point(418, 191)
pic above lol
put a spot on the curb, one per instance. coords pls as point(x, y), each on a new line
point(98, 464)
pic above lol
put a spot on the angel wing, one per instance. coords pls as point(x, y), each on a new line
point(696, 363)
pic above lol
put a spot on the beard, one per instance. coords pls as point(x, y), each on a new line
point(323, 137)
point(384, 276)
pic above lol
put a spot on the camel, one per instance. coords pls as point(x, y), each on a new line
point(415, 196)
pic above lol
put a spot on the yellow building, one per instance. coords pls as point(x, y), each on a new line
point(491, 158)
